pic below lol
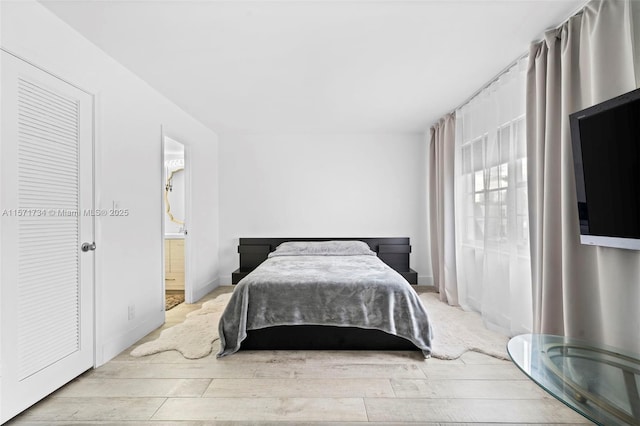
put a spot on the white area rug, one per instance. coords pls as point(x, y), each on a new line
point(194, 337)
point(455, 332)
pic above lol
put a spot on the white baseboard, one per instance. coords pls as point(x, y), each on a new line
point(115, 346)
point(202, 291)
point(425, 280)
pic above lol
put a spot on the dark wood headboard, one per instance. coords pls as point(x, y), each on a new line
point(392, 251)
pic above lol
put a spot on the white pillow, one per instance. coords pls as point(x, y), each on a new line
point(323, 248)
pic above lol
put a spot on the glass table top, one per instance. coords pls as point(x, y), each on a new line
point(600, 382)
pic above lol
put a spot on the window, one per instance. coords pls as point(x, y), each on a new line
point(494, 182)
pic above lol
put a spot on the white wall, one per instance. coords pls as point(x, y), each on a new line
point(323, 186)
point(129, 115)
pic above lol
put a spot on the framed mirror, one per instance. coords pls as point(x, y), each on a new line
point(174, 194)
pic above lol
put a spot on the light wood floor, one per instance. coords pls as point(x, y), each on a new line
point(299, 387)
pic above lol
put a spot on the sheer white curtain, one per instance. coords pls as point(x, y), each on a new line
point(492, 223)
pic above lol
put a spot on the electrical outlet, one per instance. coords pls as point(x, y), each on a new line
point(132, 312)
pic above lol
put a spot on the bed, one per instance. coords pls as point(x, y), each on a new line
point(324, 295)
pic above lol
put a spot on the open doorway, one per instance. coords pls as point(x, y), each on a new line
point(174, 222)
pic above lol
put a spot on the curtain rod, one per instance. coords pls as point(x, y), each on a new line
point(495, 78)
point(502, 72)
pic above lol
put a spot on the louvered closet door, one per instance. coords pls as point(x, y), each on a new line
point(46, 299)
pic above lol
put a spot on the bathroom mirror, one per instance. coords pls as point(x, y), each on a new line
point(174, 196)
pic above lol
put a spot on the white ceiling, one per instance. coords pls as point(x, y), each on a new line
point(315, 66)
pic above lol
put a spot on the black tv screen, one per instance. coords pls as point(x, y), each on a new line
point(606, 153)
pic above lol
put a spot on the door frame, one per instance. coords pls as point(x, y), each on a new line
point(189, 296)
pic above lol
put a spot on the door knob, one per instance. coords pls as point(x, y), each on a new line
point(88, 246)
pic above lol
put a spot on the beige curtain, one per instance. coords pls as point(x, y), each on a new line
point(441, 208)
point(579, 291)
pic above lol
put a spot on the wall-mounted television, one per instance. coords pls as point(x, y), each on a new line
point(606, 154)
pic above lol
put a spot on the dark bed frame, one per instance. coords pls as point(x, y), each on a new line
point(393, 251)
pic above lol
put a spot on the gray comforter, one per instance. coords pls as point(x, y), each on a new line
point(355, 291)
